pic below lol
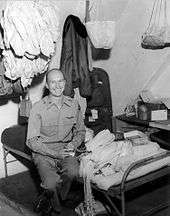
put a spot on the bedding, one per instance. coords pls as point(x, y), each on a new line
point(105, 182)
point(110, 171)
point(107, 160)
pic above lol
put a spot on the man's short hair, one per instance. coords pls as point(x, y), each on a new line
point(49, 71)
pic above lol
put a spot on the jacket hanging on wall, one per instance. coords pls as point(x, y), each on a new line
point(98, 114)
point(74, 61)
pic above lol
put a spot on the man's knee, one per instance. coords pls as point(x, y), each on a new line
point(50, 184)
point(72, 173)
point(71, 167)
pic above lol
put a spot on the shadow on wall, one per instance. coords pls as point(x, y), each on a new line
point(4, 99)
point(100, 53)
point(154, 46)
point(19, 91)
point(37, 80)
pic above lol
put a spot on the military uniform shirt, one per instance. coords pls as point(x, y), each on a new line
point(50, 129)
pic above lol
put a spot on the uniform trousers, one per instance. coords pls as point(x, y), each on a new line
point(57, 175)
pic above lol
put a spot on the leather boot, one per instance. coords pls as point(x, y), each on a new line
point(43, 203)
point(55, 201)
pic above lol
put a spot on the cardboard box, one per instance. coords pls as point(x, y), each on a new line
point(153, 111)
point(157, 115)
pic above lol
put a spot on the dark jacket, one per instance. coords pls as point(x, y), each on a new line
point(100, 101)
point(74, 61)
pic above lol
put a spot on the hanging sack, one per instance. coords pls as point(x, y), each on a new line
point(100, 32)
point(25, 106)
point(155, 35)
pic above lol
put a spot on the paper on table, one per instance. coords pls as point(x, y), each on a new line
point(157, 115)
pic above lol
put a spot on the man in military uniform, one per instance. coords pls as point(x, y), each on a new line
point(55, 129)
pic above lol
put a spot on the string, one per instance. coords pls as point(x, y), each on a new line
point(159, 13)
point(152, 14)
point(156, 15)
point(88, 9)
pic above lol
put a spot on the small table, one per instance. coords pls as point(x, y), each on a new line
point(162, 137)
point(132, 120)
point(164, 124)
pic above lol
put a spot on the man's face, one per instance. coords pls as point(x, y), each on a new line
point(56, 83)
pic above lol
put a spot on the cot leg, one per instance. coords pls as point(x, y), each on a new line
point(123, 202)
point(112, 204)
point(5, 161)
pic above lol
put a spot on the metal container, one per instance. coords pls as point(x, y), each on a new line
point(143, 112)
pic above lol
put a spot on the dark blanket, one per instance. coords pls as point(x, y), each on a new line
point(10, 208)
point(15, 138)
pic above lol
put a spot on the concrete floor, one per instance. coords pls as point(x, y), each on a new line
point(22, 189)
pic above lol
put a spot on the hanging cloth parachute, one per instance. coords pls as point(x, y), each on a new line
point(156, 32)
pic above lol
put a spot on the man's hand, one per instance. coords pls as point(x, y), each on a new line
point(70, 146)
point(65, 153)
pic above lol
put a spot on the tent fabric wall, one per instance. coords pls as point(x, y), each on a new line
point(130, 67)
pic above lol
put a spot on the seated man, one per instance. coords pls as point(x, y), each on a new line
point(55, 128)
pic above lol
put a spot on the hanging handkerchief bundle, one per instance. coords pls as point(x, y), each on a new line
point(156, 33)
point(101, 33)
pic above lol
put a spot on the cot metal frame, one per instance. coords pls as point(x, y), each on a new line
point(6, 151)
point(119, 191)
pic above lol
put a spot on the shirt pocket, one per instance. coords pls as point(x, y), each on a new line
point(50, 130)
point(68, 122)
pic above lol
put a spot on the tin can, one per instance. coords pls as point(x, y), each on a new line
point(143, 112)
